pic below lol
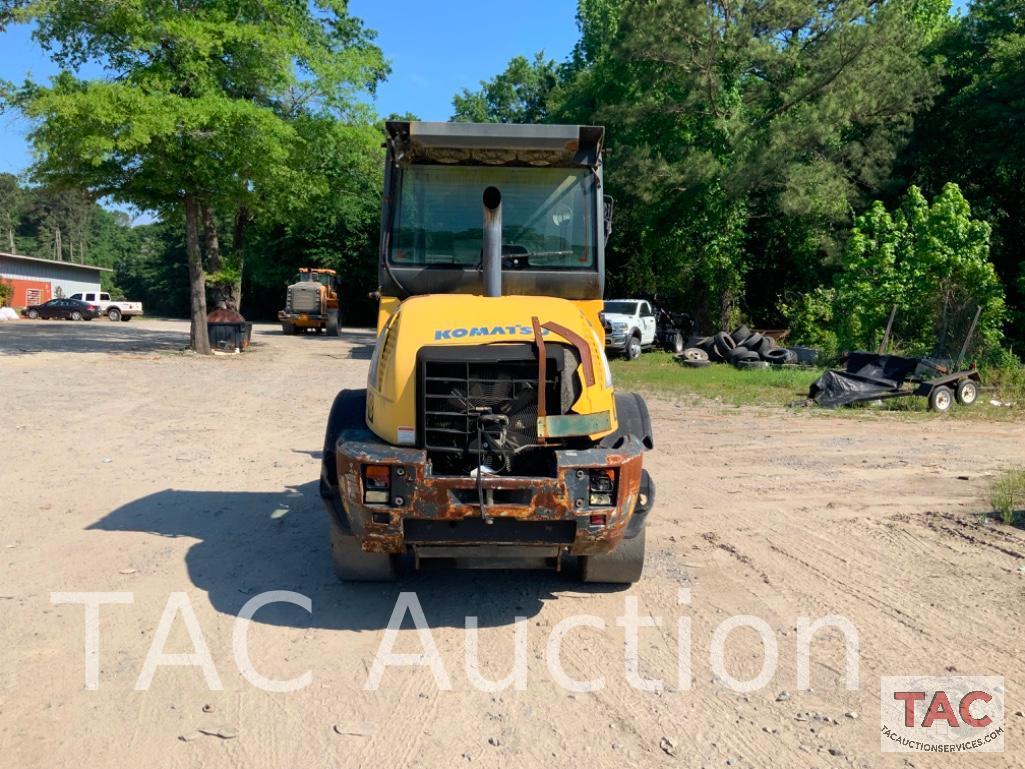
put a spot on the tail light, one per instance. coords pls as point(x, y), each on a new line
point(602, 486)
point(376, 484)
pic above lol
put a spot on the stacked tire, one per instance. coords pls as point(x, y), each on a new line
point(743, 348)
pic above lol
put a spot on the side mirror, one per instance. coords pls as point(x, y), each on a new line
point(610, 208)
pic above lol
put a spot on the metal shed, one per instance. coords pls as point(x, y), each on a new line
point(38, 280)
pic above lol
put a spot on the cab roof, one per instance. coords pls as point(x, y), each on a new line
point(495, 143)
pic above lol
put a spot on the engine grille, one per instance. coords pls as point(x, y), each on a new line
point(459, 384)
point(304, 298)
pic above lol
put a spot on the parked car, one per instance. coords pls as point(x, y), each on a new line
point(68, 309)
point(124, 311)
point(629, 326)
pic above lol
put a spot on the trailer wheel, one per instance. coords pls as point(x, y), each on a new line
point(674, 343)
point(623, 566)
point(353, 565)
point(967, 392)
point(940, 399)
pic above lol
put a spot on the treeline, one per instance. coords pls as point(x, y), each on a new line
point(756, 148)
point(796, 163)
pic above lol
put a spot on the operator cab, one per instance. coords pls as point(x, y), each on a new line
point(554, 223)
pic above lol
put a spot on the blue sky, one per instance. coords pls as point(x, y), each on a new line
point(435, 50)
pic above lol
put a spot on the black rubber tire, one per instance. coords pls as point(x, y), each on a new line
point(940, 399)
point(623, 566)
point(967, 392)
point(753, 341)
point(674, 343)
point(777, 356)
point(348, 412)
point(113, 314)
point(86, 318)
point(741, 335)
point(125, 318)
point(76, 315)
point(756, 363)
point(332, 323)
point(633, 418)
point(739, 354)
point(33, 314)
point(696, 363)
point(723, 343)
point(694, 353)
point(767, 343)
point(705, 343)
point(632, 348)
point(287, 329)
point(351, 564)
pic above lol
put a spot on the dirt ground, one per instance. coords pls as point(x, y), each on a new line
point(128, 467)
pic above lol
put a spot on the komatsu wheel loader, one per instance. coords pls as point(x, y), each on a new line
point(489, 433)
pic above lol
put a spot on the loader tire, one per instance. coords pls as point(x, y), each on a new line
point(623, 566)
point(332, 323)
point(351, 564)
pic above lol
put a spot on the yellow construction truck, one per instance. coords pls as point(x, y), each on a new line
point(311, 302)
point(489, 433)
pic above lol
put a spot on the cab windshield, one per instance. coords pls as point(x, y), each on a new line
point(548, 216)
point(324, 278)
point(621, 308)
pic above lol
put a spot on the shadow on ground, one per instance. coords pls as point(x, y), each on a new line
point(97, 336)
point(257, 541)
point(358, 343)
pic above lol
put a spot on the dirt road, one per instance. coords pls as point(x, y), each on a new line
point(126, 467)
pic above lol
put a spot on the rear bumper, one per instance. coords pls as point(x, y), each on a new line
point(442, 511)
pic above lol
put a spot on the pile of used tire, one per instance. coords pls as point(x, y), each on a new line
point(743, 348)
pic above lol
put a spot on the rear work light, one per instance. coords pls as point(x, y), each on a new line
point(376, 484)
point(602, 487)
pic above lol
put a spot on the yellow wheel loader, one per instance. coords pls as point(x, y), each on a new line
point(311, 301)
point(489, 434)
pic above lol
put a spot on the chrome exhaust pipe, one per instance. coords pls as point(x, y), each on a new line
point(491, 256)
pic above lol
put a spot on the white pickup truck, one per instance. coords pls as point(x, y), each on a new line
point(123, 311)
point(629, 326)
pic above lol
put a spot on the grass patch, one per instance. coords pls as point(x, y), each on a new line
point(659, 372)
point(1008, 496)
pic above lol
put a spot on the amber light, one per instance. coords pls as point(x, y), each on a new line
point(376, 484)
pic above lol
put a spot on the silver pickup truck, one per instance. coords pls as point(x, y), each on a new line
point(123, 311)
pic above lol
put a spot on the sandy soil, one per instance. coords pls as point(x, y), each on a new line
point(127, 467)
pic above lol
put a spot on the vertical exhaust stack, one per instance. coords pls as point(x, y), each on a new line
point(492, 248)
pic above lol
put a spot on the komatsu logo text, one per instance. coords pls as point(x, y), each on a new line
point(459, 333)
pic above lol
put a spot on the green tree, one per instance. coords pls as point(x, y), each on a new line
point(199, 115)
point(930, 260)
point(12, 201)
point(725, 117)
point(975, 132)
point(517, 95)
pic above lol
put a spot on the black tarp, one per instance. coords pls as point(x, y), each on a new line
point(867, 376)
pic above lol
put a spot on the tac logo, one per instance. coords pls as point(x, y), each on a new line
point(942, 714)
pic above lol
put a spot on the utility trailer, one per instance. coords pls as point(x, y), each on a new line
point(875, 376)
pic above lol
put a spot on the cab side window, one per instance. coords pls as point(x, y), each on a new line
point(76, 296)
point(104, 297)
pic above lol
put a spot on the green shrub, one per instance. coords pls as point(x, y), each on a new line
point(1008, 495)
point(929, 259)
